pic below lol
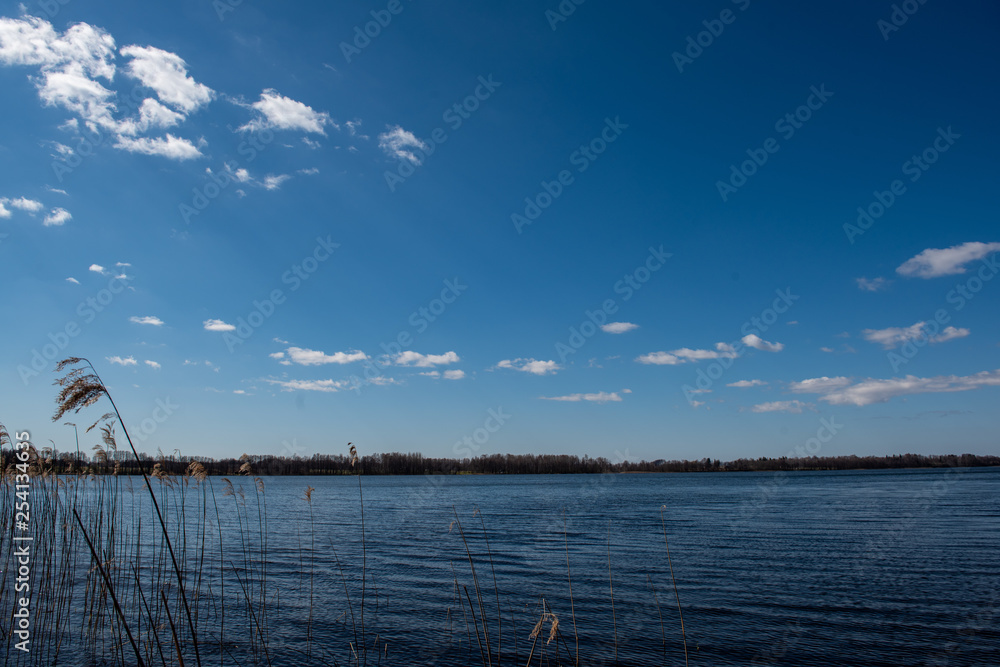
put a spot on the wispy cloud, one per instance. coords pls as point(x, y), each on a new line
point(148, 319)
point(794, 406)
point(329, 386)
point(618, 327)
point(153, 364)
point(892, 337)
point(842, 391)
point(935, 262)
point(874, 285)
point(122, 361)
point(600, 397)
point(758, 343)
point(399, 144)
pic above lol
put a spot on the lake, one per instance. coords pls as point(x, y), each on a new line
point(804, 568)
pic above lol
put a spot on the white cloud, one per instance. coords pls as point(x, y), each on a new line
point(686, 354)
point(870, 390)
point(950, 333)
point(305, 357)
point(935, 262)
point(277, 355)
point(97, 268)
point(758, 343)
point(147, 319)
point(532, 366)
point(400, 144)
point(411, 358)
point(284, 113)
point(57, 217)
point(747, 383)
point(218, 325)
point(4, 211)
point(240, 392)
point(618, 327)
point(826, 349)
point(170, 147)
point(873, 285)
point(310, 385)
point(24, 204)
point(894, 336)
point(600, 397)
point(274, 182)
point(73, 280)
point(153, 364)
point(794, 407)
point(312, 171)
point(454, 375)
point(126, 361)
point(166, 73)
point(818, 385)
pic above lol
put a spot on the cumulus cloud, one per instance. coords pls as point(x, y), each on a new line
point(153, 364)
point(758, 343)
point(795, 407)
point(447, 375)
point(894, 336)
point(818, 385)
point(277, 112)
point(411, 358)
point(97, 268)
point(218, 325)
point(533, 366)
point(148, 319)
point(305, 357)
point(399, 144)
point(24, 204)
point(935, 262)
point(618, 327)
point(166, 73)
point(57, 217)
point(746, 383)
point(873, 285)
point(122, 361)
point(600, 397)
point(168, 147)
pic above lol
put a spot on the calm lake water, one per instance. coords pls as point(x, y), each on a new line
point(808, 568)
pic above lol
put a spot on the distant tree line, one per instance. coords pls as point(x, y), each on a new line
point(395, 463)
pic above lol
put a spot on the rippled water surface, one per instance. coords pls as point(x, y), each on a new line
point(841, 568)
point(805, 568)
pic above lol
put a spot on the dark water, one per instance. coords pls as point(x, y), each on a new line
point(845, 568)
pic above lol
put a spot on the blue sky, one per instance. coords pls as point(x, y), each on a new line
point(714, 229)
